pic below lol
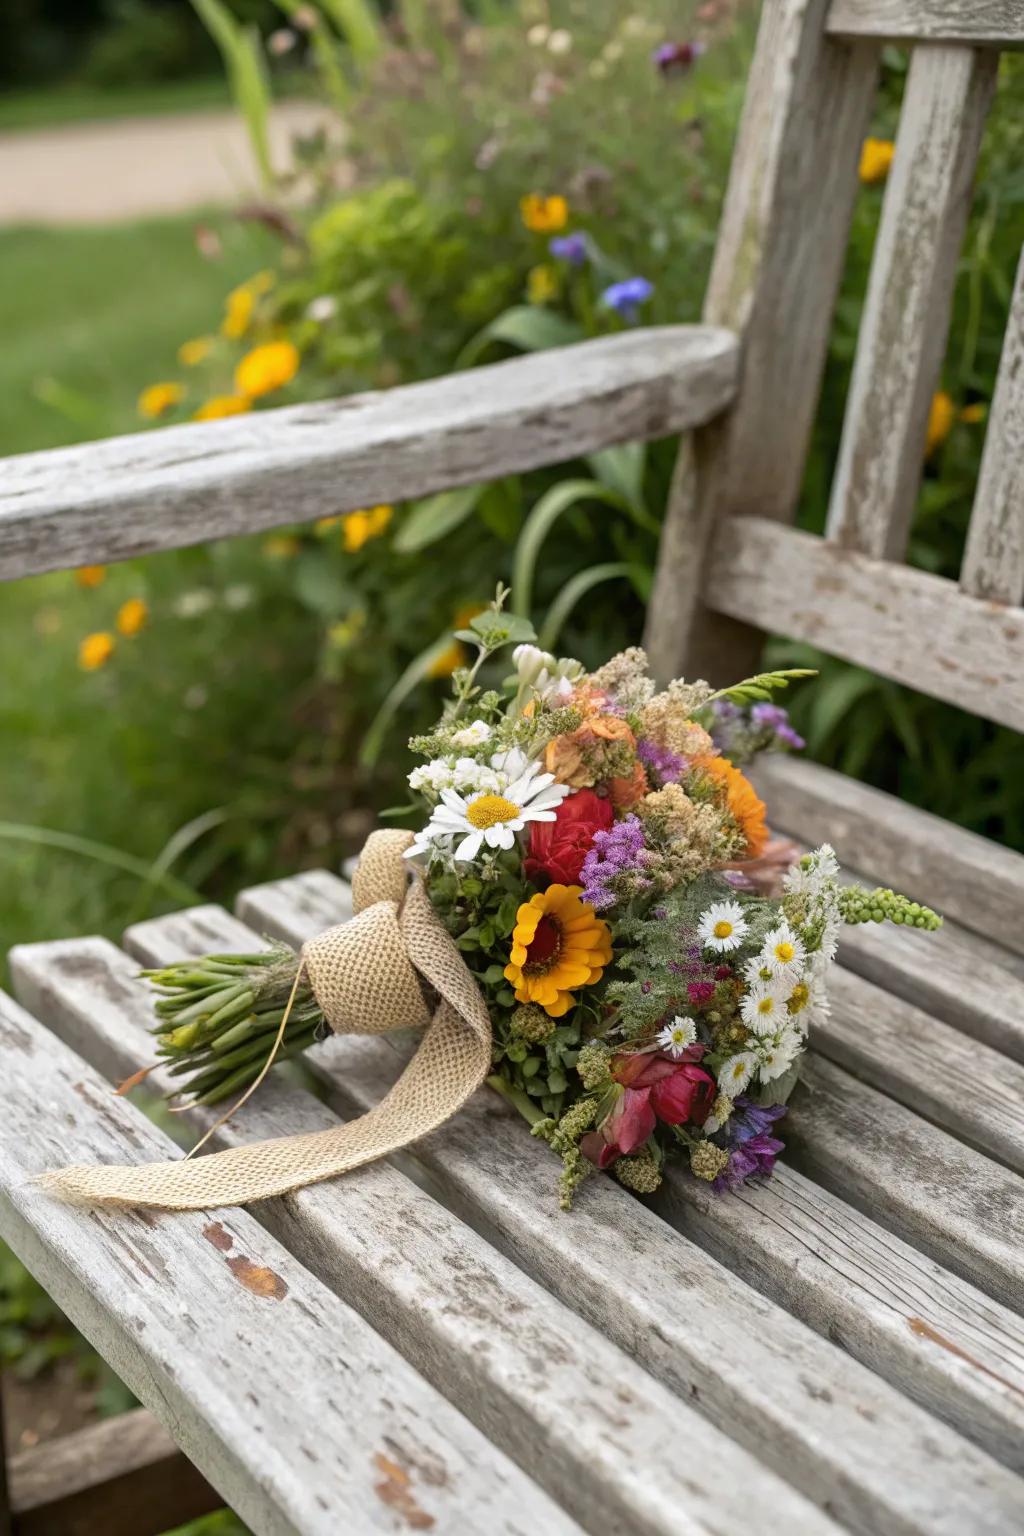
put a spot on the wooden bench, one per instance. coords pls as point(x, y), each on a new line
point(428, 1344)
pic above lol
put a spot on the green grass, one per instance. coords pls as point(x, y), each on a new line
point(71, 103)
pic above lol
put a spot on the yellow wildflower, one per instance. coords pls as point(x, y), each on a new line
point(364, 524)
point(281, 546)
point(238, 308)
point(91, 575)
point(95, 651)
point(974, 413)
point(261, 282)
point(325, 525)
point(875, 160)
point(346, 631)
point(267, 368)
point(941, 417)
point(222, 405)
point(544, 215)
point(541, 285)
point(190, 353)
point(449, 660)
point(158, 398)
point(132, 616)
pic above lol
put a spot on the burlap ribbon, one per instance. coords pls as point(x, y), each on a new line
point(367, 976)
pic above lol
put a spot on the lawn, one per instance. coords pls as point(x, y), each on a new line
point(73, 103)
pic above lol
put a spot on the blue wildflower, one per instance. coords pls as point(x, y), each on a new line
point(571, 248)
point(626, 297)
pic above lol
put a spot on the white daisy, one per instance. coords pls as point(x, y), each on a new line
point(782, 953)
point(489, 819)
point(763, 1008)
point(756, 971)
point(471, 735)
point(778, 1055)
point(677, 1035)
point(723, 927)
point(735, 1074)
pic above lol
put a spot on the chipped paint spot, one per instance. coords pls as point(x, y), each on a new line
point(395, 1490)
point(256, 1278)
point(216, 1234)
point(925, 1330)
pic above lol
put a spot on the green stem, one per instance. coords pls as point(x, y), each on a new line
point(517, 1098)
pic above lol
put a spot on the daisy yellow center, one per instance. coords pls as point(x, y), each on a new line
point(784, 952)
point(799, 997)
point(739, 1067)
point(489, 810)
point(723, 929)
point(766, 1005)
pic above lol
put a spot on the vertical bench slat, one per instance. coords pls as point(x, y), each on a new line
point(994, 557)
point(906, 313)
point(776, 273)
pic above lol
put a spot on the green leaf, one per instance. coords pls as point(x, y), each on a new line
point(582, 583)
point(621, 469)
point(101, 853)
point(761, 685)
point(432, 519)
point(414, 674)
point(360, 25)
point(539, 522)
point(530, 327)
point(319, 585)
point(242, 51)
point(779, 1091)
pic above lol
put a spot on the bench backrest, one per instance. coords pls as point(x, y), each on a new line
point(731, 565)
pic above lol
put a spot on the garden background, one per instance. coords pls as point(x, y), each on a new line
point(479, 179)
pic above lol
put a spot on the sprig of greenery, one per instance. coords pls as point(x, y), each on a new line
point(756, 689)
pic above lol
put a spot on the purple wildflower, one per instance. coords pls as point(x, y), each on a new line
point(666, 766)
point(774, 718)
point(626, 297)
point(571, 248)
point(752, 1149)
point(740, 733)
point(677, 58)
point(615, 864)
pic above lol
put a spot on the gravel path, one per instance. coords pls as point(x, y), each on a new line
point(101, 172)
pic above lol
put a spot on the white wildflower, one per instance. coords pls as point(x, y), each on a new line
point(321, 309)
point(488, 819)
point(735, 1074)
point(722, 927)
point(560, 41)
point(677, 1035)
point(777, 1055)
point(764, 1006)
point(783, 953)
point(471, 735)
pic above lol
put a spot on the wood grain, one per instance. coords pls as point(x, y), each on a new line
point(124, 1476)
point(184, 485)
point(905, 320)
point(776, 272)
point(442, 1295)
point(510, 1198)
point(978, 883)
point(918, 629)
point(996, 23)
point(207, 1323)
point(994, 557)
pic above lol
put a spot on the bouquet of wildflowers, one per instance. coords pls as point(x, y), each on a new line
point(650, 960)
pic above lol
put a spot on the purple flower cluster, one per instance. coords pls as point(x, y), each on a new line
point(772, 717)
point(615, 864)
point(665, 766)
point(740, 732)
point(752, 1149)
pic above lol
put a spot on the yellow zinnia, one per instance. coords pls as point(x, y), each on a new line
point(132, 616)
point(558, 943)
point(95, 651)
point(222, 405)
point(158, 398)
point(544, 215)
point(190, 353)
point(267, 368)
point(941, 415)
point(875, 160)
point(364, 524)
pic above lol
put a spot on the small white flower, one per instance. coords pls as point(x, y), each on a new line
point(461, 773)
point(489, 819)
point(764, 1007)
point(560, 41)
point(776, 1056)
point(735, 1074)
point(677, 1035)
point(538, 35)
point(471, 735)
point(782, 953)
point(723, 927)
point(323, 308)
point(237, 597)
point(510, 765)
point(192, 605)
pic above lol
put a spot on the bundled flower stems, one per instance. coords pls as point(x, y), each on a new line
point(592, 856)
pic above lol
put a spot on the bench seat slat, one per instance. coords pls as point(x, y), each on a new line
point(518, 1203)
point(184, 485)
point(207, 1322)
point(454, 1306)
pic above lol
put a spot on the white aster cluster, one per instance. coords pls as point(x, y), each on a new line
point(469, 775)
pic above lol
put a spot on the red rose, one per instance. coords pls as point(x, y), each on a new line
point(655, 1087)
point(687, 1095)
point(558, 848)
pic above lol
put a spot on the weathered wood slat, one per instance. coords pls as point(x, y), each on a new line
point(977, 882)
point(939, 1340)
point(183, 485)
point(316, 895)
point(911, 626)
point(209, 1323)
point(943, 1197)
point(777, 267)
point(906, 312)
point(124, 1476)
point(994, 556)
point(517, 1205)
point(996, 23)
point(454, 1306)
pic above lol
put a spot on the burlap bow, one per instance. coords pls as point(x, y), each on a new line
point(366, 975)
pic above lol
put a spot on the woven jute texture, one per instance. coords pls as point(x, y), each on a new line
point(367, 975)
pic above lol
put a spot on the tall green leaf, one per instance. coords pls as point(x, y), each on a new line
point(529, 327)
point(242, 51)
point(432, 519)
point(414, 674)
point(582, 583)
point(359, 23)
point(538, 525)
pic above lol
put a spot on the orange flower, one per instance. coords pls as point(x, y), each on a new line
point(267, 368)
point(576, 759)
point(158, 398)
point(627, 791)
point(544, 215)
point(941, 416)
point(219, 406)
point(875, 160)
point(91, 575)
point(95, 651)
point(743, 804)
point(558, 943)
point(132, 616)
